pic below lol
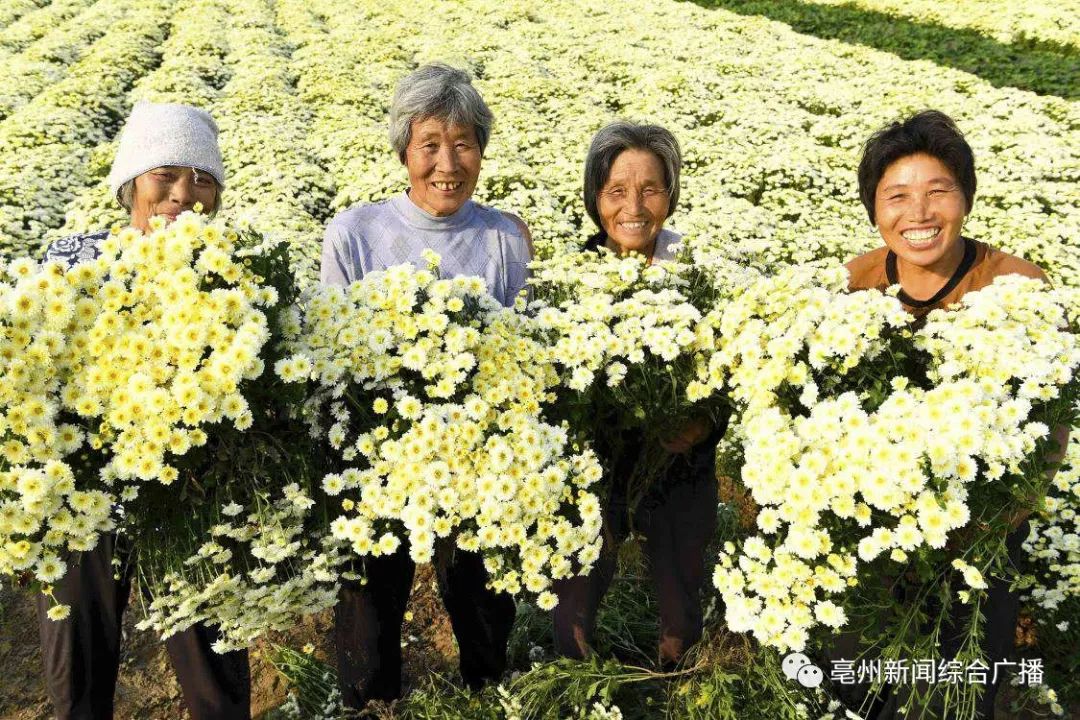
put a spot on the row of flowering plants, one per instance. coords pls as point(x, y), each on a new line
point(1040, 22)
point(40, 48)
point(46, 142)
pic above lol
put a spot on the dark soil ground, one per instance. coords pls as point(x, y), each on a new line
point(147, 688)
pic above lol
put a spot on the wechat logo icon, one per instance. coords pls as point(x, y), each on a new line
point(798, 667)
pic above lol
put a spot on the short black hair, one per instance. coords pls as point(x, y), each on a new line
point(931, 132)
point(610, 142)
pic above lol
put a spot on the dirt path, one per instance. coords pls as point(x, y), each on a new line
point(147, 688)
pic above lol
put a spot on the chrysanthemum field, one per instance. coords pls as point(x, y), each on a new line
point(771, 102)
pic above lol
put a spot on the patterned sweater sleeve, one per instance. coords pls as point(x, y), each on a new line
point(75, 248)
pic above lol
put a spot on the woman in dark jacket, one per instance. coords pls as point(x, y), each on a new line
point(631, 188)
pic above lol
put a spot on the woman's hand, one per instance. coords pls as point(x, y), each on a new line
point(687, 437)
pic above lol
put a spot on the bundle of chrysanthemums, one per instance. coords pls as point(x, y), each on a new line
point(632, 342)
point(889, 455)
point(781, 338)
point(246, 549)
point(431, 394)
point(134, 392)
point(44, 512)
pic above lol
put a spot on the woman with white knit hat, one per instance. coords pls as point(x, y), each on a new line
point(168, 162)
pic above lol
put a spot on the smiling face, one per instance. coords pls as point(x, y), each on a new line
point(169, 191)
point(444, 163)
point(920, 208)
point(633, 203)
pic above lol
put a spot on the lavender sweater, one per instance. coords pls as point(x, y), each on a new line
point(476, 240)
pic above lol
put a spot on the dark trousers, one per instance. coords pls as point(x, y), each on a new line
point(1000, 610)
point(678, 517)
point(82, 653)
point(367, 623)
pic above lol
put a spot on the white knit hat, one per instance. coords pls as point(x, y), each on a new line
point(159, 134)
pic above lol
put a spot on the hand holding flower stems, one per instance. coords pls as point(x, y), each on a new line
point(1060, 439)
point(687, 437)
point(1031, 504)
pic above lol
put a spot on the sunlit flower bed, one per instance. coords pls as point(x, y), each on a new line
point(770, 147)
point(1044, 20)
point(46, 143)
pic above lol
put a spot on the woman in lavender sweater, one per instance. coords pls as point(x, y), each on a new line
point(439, 127)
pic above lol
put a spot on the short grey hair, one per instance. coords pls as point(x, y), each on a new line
point(611, 141)
point(125, 195)
point(437, 91)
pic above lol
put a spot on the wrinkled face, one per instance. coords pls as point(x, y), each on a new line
point(633, 203)
point(169, 191)
point(444, 163)
point(920, 208)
